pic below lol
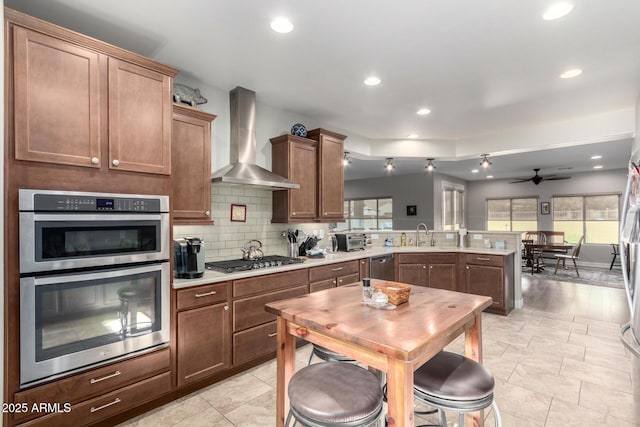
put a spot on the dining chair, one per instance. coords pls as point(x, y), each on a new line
point(334, 394)
point(532, 255)
point(575, 254)
point(452, 382)
point(615, 254)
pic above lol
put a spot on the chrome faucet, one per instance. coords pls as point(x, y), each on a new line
point(426, 231)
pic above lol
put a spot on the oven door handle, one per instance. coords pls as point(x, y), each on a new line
point(106, 217)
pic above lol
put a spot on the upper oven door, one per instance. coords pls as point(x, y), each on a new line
point(56, 241)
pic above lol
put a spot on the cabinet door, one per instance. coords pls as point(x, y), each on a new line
point(303, 167)
point(322, 285)
point(413, 274)
point(203, 342)
point(191, 161)
point(485, 280)
point(331, 179)
point(140, 109)
point(57, 101)
point(442, 276)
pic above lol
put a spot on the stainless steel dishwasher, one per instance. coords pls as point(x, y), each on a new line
point(381, 267)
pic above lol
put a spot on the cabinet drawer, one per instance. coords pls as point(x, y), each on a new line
point(269, 282)
point(322, 285)
point(412, 259)
point(253, 343)
point(443, 258)
point(202, 295)
point(483, 259)
point(348, 280)
point(95, 382)
point(108, 405)
point(250, 312)
point(324, 272)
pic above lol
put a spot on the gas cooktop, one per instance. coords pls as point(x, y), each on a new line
point(234, 265)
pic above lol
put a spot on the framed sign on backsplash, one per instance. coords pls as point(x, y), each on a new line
point(239, 213)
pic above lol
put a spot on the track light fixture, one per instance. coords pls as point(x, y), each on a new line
point(485, 163)
point(346, 160)
point(389, 166)
point(430, 166)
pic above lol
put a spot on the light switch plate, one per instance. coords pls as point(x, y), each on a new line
point(477, 237)
point(374, 237)
point(321, 234)
point(449, 236)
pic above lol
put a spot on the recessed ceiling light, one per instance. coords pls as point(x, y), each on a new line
point(597, 167)
point(412, 135)
point(474, 171)
point(596, 157)
point(557, 10)
point(282, 25)
point(372, 81)
point(489, 176)
point(423, 111)
point(574, 72)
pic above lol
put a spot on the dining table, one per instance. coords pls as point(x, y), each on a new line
point(395, 340)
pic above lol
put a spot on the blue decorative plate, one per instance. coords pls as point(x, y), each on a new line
point(299, 130)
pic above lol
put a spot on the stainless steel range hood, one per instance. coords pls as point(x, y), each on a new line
point(243, 169)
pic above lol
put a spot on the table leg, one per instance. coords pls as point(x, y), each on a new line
point(400, 394)
point(473, 350)
point(286, 367)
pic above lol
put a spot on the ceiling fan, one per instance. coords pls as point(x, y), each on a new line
point(537, 179)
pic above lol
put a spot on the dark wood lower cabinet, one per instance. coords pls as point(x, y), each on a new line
point(253, 343)
point(203, 342)
point(490, 275)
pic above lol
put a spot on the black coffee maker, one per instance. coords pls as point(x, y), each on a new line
point(188, 257)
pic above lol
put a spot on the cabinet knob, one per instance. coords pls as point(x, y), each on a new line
point(424, 267)
point(115, 162)
point(207, 213)
point(340, 280)
point(467, 267)
point(95, 160)
point(293, 214)
point(334, 282)
point(430, 267)
point(326, 213)
point(226, 308)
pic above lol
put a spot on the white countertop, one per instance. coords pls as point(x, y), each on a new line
point(214, 276)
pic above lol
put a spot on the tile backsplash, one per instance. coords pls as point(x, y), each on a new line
point(225, 239)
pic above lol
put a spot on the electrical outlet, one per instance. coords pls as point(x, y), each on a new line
point(449, 236)
point(375, 237)
point(321, 234)
point(477, 237)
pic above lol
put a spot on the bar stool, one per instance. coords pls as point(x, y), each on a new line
point(451, 382)
point(328, 355)
point(131, 297)
point(334, 394)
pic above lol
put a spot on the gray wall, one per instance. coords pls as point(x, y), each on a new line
point(613, 181)
point(422, 190)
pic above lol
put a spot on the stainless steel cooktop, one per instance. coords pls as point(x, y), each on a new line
point(234, 265)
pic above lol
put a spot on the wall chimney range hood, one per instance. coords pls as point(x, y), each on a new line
point(243, 169)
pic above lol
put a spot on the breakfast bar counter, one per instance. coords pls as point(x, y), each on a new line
point(395, 341)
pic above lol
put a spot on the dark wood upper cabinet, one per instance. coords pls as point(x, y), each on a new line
point(315, 163)
point(191, 160)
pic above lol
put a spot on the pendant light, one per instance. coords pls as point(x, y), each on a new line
point(346, 160)
point(485, 163)
point(430, 166)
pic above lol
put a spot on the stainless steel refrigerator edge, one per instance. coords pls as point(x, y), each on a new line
point(630, 264)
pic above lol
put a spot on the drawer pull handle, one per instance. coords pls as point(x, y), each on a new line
point(206, 294)
point(483, 259)
point(106, 405)
point(337, 269)
point(115, 374)
point(272, 334)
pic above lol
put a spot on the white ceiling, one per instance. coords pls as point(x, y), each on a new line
point(480, 66)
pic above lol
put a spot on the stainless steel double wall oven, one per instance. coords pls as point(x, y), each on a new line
point(94, 279)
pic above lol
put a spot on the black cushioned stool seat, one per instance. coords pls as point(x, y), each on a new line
point(451, 382)
point(328, 355)
point(334, 394)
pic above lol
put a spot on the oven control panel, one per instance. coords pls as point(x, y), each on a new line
point(49, 201)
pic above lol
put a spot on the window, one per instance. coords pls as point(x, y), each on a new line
point(368, 214)
point(594, 217)
point(452, 207)
point(512, 214)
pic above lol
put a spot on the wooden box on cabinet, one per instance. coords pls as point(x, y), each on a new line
point(296, 159)
point(81, 102)
point(191, 159)
point(330, 174)
point(204, 332)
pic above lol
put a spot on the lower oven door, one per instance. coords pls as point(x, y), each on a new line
point(72, 321)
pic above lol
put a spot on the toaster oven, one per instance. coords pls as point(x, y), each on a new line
point(351, 242)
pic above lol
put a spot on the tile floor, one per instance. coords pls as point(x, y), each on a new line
point(558, 363)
